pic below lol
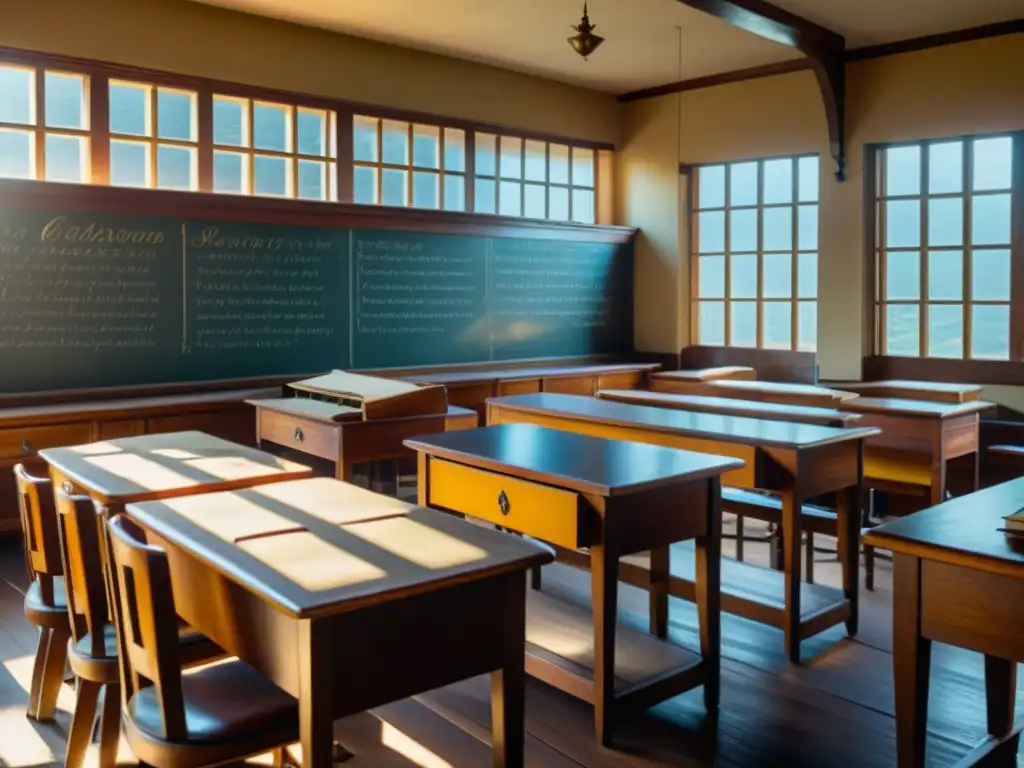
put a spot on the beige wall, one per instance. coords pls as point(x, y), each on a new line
point(961, 89)
point(199, 40)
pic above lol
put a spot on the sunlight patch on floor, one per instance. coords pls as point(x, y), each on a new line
point(409, 748)
point(20, 745)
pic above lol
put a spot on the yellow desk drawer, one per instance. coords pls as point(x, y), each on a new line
point(545, 513)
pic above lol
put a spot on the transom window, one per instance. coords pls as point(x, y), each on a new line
point(755, 240)
point(44, 124)
point(943, 248)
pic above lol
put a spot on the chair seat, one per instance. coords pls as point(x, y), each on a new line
point(223, 702)
point(42, 615)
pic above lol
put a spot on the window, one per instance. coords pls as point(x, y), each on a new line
point(943, 248)
point(277, 150)
point(44, 124)
point(153, 137)
point(533, 179)
point(755, 237)
point(408, 164)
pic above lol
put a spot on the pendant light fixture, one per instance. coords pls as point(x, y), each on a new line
point(585, 42)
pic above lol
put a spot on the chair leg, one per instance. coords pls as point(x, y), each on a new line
point(110, 725)
point(48, 673)
point(82, 721)
point(280, 758)
point(869, 567)
point(739, 538)
point(35, 690)
point(809, 558)
point(535, 578)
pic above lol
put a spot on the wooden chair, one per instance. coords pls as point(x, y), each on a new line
point(216, 714)
point(45, 602)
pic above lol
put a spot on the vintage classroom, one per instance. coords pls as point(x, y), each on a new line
point(626, 383)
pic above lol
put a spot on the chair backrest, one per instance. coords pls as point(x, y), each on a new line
point(83, 569)
point(146, 622)
point(39, 524)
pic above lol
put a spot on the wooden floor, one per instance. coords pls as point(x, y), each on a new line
point(834, 710)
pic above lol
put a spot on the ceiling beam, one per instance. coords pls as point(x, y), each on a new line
point(825, 49)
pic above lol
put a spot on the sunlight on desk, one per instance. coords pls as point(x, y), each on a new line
point(175, 453)
point(417, 543)
point(310, 562)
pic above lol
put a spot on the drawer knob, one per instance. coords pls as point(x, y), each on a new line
point(299, 436)
point(503, 503)
point(26, 446)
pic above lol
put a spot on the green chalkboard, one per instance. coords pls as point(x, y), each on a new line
point(105, 299)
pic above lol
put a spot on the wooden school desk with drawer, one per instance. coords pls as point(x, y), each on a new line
point(764, 391)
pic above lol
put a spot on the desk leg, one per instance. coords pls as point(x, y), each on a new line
point(657, 591)
point(604, 582)
point(316, 723)
point(508, 684)
point(937, 489)
point(791, 551)
point(1000, 694)
point(849, 515)
point(707, 574)
point(911, 658)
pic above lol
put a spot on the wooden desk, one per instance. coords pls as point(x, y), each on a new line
point(763, 391)
point(795, 461)
point(729, 406)
point(938, 392)
point(118, 472)
point(957, 580)
point(917, 440)
point(696, 375)
point(618, 499)
point(337, 433)
point(348, 600)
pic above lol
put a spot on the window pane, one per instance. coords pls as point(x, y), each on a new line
point(364, 139)
point(946, 221)
point(990, 275)
point(990, 332)
point(175, 167)
point(425, 190)
point(946, 275)
point(364, 185)
point(229, 173)
point(946, 167)
point(395, 144)
point(993, 163)
point(743, 184)
point(990, 220)
point(536, 202)
point(394, 185)
point(510, 203)
point(65, 101)
point(312, 134)
point(312, 180)
point(454, 149)
point(65, 158)
point(583, 206)
point(558, 164)
point(903, 171)
point(777, 276)
point(558, 203)
point(17, 95)
point(485, 196)
point(945, 330)
point(711, 232)
point(902, 275)
point(808, 170)
point(711, 186)
point(536, 160)
point(743, 317)
point(454, 193)
point(271, 128)
point(270, 175)
point(426, 146)
point(778, 181)
point(711, 277)
point(743, 276)
point(778, 229)
point(129, 109)
point(808, 224)
point(17, 154)
point(230, 122)
point(778, 325)
point(711, 323)
point(129, 164)
point(486, 154)
point(582, 167)
point(743, 230)
point(903, 223)
point(902, 330)
point(174, 115)
point(511, 157)
point(807, 276)
point(807, 321)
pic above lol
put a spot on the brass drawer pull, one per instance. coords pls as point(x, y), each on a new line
point(299, 436)
point(26, 446)
point(503, 503)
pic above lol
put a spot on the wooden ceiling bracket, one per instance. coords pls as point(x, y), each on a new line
point(830, 69)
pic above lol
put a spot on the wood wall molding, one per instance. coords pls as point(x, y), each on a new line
point(983, 32)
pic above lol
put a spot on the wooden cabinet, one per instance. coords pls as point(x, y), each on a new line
point(19, 443)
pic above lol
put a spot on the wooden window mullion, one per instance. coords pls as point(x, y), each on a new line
point(1017, 249)
point(469, 188)
point(99, 129)
point(794, 276)
point(967, 181)
point(727, 308)
point(39, 128)
point(344, 154)
point(759, 260)
point(880, 237)
point(204, 135)
point(923, 302)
